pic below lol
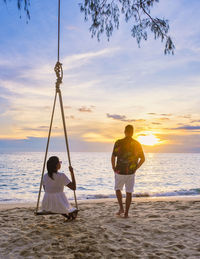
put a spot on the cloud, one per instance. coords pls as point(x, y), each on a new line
point(166, 114)
point(85, 109)
point(187, 127)
point(194, 121)
point(4, 105)
point(78, 60)
point(20, 108)
point(140, 120)
point(119, 117)
point(156, 123)
point(96, 137)
point(188, 116)
point(152, 113)
point(57, 144)
point(123, 118)
point(164, 119)
point(40, 128)
point(159, 114)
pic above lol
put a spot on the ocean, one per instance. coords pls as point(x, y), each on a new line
point(162, 174)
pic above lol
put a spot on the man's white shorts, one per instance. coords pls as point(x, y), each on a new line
point(127, 180)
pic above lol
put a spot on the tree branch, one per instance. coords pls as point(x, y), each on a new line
point(105, 17)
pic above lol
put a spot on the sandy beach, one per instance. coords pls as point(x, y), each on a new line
point(156, 228)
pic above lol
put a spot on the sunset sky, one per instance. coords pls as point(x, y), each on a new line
point(106, 85)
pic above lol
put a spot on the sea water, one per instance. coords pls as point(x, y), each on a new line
point(170, 174)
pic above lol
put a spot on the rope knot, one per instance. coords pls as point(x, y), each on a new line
point(59, 74)
point(58, 70)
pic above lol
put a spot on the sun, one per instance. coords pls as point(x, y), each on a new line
point(148, 140)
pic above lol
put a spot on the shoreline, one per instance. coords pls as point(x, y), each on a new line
point(13, 205)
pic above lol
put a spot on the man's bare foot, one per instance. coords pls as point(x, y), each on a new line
point(126, 215)
point(120, 212)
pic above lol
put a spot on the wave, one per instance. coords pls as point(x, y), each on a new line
point(190, 192)
point(11, 200)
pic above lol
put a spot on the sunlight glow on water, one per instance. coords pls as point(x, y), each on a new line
point(162, 174)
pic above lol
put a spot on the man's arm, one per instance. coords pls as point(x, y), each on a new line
point(142, 159)
point(114, 155)
point(113, 162)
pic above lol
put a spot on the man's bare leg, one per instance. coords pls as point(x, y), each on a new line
point(119, 198)
point(128, 203)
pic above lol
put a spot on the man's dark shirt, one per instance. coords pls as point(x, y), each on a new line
point(128, 151)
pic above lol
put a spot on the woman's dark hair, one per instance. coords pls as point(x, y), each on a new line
point(52, 166)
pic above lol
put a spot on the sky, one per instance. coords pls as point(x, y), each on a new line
point(106, 84)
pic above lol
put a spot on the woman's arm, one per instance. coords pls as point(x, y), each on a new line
point(72, 184)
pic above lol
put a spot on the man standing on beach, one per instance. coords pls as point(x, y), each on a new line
point(130, 157)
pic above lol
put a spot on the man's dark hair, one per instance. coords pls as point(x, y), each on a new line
point(129, 128)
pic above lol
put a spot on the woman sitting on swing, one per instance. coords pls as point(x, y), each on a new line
point(54, 199)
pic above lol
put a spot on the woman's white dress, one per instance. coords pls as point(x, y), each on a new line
point(54, 199)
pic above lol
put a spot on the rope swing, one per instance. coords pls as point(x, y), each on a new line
point(59, 74)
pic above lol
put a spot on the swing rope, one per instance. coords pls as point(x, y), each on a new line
point(59, 74)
